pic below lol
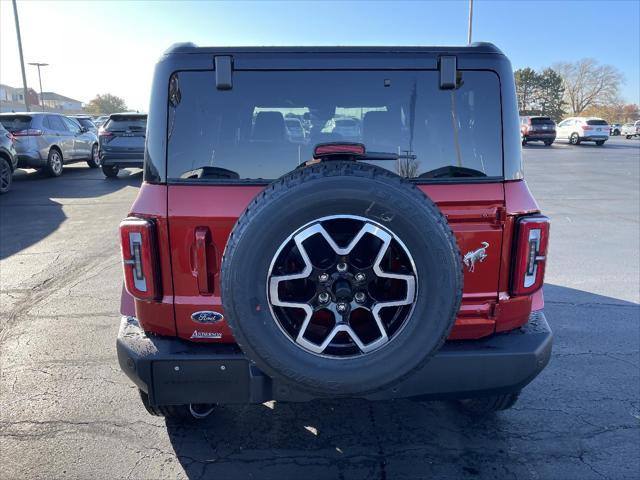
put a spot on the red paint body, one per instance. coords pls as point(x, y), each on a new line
point(194, 222)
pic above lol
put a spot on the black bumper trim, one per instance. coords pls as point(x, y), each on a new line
point(174, 371)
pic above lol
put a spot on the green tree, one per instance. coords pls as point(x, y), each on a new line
point(550, 94)
point(526, 88)
point(106, 104)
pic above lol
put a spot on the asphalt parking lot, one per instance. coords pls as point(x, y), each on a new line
point(67, 411)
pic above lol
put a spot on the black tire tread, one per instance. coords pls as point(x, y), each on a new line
point(4, 159)
point(339, 168)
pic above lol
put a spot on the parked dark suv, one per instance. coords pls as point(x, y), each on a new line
point(122, 142)
point(537, 129)
point(405, 262)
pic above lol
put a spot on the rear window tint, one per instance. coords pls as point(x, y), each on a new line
point(85, 122)
point(597, 122)
point(126, 123)
point(242, 132)
point(541, 121)
point(14, 123)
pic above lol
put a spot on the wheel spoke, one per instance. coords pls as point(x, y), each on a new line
point(343, 277)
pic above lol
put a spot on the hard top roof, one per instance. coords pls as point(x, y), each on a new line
point(476, 47)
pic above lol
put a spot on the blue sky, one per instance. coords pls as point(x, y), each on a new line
point(100, 47)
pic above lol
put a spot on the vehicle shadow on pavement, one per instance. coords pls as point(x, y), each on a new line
point(576, 420)
point(33, 209)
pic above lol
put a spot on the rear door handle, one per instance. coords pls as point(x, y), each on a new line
point(200, 265)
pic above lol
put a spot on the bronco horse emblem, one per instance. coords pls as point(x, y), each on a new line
point(474, 256)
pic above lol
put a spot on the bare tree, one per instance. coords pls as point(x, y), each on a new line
point(586, 83)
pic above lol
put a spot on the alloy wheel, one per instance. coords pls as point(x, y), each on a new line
point(56, 163)
point(342, 286)
point(95, 155)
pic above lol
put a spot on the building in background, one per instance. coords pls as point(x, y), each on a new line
point(54, 102)
point(12, 100)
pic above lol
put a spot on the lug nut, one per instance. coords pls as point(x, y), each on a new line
point(341, 307)
point(360, 297)
point(323, 297)
point(342, 267)
point(323, 277)
point(360, 277)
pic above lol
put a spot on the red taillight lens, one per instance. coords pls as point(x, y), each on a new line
point(532, 238)
point(104, 135)
point(139, 258)
point(31, 132)
point(587, 127)
point(10, 136)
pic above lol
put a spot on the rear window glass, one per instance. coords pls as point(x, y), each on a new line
point(597, 122)
point(85, 122)
point(14, 123)
point(242, 134)
point(541, 121)
point(126, 123)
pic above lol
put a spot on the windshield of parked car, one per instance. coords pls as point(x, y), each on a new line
point(15, 123)
point(122, 123)
point(243, 130)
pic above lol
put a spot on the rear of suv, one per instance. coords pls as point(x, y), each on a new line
point(122, 140)
point(584, 129)
point(48, 141)
point(537, 129)
point(404, 263)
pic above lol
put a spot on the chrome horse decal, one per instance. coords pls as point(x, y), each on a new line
point(474, 256)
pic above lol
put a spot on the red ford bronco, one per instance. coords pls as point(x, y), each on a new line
point(400, 257)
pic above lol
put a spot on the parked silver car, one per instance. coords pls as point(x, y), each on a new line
point(85, 121)
point(49, 140)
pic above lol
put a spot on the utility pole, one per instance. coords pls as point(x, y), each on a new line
point(470, 21)
point(36, 64)
point(24, 76)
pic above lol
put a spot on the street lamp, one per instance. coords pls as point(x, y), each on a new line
point(36, 64)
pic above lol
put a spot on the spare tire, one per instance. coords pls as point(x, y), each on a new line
point(341, 278)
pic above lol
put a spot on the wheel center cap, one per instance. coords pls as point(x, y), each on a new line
point(342, 290)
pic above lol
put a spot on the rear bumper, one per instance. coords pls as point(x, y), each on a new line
point(539, 136)
point(127, 159)
point(174, 372)
point(31, 160)
point(594, 138)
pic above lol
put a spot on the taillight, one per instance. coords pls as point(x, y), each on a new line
point(10, 136)
point(532, 238)
point(587, 127)
point(105, 135)
point(139, 258)
point(31, 132)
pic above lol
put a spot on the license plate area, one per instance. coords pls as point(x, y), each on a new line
point(200, 381)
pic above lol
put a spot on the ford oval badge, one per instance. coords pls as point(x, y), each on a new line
point(206, 316)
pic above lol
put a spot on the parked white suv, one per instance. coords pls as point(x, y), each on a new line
point(630, 130)
point(583, 129)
